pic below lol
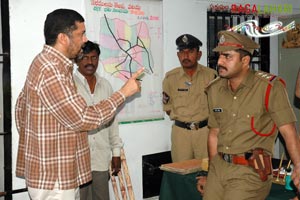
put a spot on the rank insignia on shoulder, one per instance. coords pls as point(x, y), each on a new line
point(166, 98)
point(217, 109)
point(267, 76)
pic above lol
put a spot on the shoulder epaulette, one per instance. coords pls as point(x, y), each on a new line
point(269, 77)
point(266, 76)
point(173, 71)
point(213, 81)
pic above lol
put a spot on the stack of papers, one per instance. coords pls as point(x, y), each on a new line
point(186, 167)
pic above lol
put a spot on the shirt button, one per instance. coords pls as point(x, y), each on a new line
point(233, 114)
point(227, 148)
point(234, 97)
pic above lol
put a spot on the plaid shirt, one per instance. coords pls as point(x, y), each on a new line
point(52, 119)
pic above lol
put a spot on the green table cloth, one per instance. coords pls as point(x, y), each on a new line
point(183, 187)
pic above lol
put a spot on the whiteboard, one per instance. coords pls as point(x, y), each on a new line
point(130, 37)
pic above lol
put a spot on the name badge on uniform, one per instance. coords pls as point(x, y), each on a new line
point(182, 89)
point(217, 110)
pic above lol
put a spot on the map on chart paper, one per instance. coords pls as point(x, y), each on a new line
point(125, 48)
point(129, 34)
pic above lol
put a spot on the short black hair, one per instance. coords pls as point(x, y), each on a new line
point(87, 48)
point(244, 53)
point(91, 46)
point(60, 21)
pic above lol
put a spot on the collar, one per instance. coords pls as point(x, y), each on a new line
point(58, 56)
point(249, 79)
point(182, 72)
point(247, 82)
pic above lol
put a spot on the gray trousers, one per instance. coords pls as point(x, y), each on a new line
point(98, 188)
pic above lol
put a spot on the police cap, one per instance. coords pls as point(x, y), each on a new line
point(187, 41)
point(229, 40)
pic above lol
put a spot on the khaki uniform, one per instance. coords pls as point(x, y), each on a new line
point(246, 119)
point(184, 96)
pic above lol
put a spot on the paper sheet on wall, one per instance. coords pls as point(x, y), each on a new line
point(130, 37)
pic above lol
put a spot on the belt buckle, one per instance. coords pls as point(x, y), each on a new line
point(194, 126)
point(227, 158)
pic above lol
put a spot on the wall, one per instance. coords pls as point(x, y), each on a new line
point(180, 16)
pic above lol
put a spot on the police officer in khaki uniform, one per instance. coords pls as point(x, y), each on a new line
point(246, 107)
point(185, 101)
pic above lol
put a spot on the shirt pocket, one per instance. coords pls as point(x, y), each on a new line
point(259, 122)
point(181, 98)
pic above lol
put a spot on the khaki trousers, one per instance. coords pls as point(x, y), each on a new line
point(228, 181)
point(188, 144)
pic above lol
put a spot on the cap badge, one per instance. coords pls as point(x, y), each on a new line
point(222, 39)
point(185, 39)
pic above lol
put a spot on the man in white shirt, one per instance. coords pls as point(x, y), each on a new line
point(105, 143)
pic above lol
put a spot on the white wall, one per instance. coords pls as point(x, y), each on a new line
point(180, 16)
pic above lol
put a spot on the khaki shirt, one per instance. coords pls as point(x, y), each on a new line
point(184, 96)
point(242, 117)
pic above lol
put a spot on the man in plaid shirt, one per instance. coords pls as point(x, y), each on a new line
point(53, 119)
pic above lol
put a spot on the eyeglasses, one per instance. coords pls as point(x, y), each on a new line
point(86, 58)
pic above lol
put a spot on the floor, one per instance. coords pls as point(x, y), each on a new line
point(152, 198)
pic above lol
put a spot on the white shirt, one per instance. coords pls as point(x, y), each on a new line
point(105, 141)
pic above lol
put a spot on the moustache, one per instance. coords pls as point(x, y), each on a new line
point(220, 66)
point(89, 65)
point(186, 60)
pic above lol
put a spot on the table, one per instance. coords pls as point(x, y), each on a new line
point(278, 192)
point(181, 187)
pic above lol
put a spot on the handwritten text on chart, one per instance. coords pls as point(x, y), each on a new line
point(114, 4)
point(139, 13)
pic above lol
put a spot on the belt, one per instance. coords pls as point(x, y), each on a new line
point(235, 159)
point(191, 125)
